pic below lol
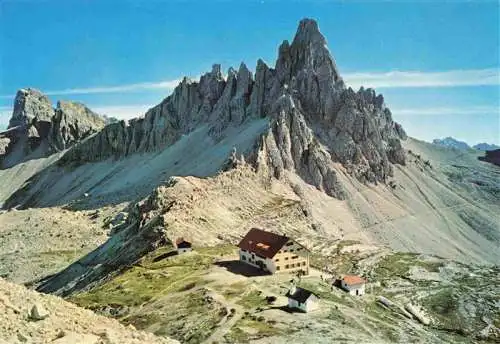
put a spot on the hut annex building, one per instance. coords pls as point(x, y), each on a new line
point(353, 284)
point(182, 245)
point(273, 253)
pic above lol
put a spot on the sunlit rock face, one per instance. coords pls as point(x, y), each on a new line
point(314, 120)
point(36, 129)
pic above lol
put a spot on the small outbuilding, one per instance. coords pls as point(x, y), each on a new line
point(353, 284)
point(302, 299)
point(183, 245)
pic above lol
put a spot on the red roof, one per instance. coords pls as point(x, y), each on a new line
point(353, 280)
point(262, 243)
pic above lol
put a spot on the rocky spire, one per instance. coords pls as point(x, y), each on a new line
point(309, 52)
point(37, 129)
point(28, 105)
point(314, 121)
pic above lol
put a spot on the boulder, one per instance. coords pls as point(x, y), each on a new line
point(38, 312)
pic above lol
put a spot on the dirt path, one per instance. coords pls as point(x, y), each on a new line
point(226, 323)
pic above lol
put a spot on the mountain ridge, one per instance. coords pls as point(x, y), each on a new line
point(314, 120)
point(299, 129)
point(451, 142)
point(36, 129)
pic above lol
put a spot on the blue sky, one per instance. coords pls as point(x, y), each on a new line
point(435, 62)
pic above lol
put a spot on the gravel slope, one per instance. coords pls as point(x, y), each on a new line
point(66, 322)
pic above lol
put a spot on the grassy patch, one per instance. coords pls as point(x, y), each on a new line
point(189, 319)
point(399, 264)
point(149, 280)
point(341, 263)
point(376, 310)
point(233, 290)
point(444, 307)
point(164, 293)
point(252, 299)
point(336, 315)
point(132, 288)
point(219, 250)
point(251, 328)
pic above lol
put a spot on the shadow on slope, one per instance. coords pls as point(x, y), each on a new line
point(110, 182)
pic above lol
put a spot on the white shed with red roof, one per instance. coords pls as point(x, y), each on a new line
point(354, 284)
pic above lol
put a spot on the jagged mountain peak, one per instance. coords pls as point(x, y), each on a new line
point(29, 104)
point(308, 121)
point(308, 31)
point(36, 129)
point(308, 51)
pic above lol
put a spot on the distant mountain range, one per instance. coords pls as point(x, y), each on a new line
point(450, 142)
point(485, 146)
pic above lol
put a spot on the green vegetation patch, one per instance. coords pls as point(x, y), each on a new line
point(189, 318)
point(378, 311)
point(444, 306)
point(400, 263)
point(57, 259)
point(164, 293)
point(341, 263)
point(233, 290)
point(252, 299)
point(150, 279)
point(219, 250)
point(251, 327)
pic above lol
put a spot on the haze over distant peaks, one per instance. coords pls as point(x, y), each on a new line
point(451, 142)
point(485, 146)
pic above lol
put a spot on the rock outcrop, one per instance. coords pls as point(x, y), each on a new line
point(493, 157)
point(143, 230)
point(36, 129)
point(315, 121)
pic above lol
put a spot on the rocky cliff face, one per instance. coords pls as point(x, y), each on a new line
point(36, 129)
point(314, 119)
